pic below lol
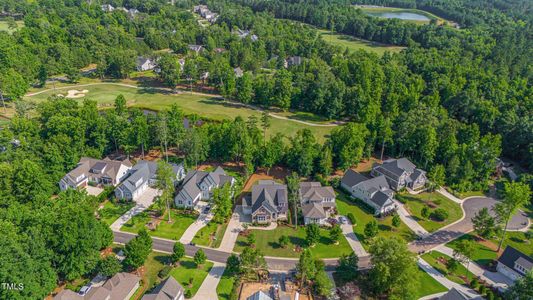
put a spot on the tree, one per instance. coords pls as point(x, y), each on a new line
point(305, 268)
point(348, 143)
point(452, 265)
point(109, 266)
point(252, 261)
point(394, 272)
point(440, 214)
point(43, 75)
point(251, 239)
point(464, 251)
point(347, 267)
point(282, 92)
point(73, 75)
point(245, 89)
point(233, 264)
point(312, 236)
point(522, 289)
point(165, 178)
point(178, 252)
point(371, 229)
point(223, 203)
point(138, 249)
point(425, 212)
point(396, 222)
point(293, 185)
point(335, 233)
point(169, 70)
point(516, 194)
point(265, 122)
point(120, 105)
point(437, 176)
point(322, 283)
point(484, 223)
point(199, 257)
point(283, 241)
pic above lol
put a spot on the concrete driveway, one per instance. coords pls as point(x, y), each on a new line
point(142, 203)
point(357, 247)
point(208, 289)
point(201, 222)
point(235, 226)
point(93, 190)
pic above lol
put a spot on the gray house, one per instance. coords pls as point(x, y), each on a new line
point(168, 289)
point(141, 176)
point(196, 48)
point(95, 171)
point(145, 64)
point(317, 201)
point(122, 286)
point(199, 185)
point(514, 264)
point(267, 203)
point(400, 173)
point(373, 191)
point(294, 61)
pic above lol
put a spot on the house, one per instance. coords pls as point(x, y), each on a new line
point(373, 191)
point(122, 286)
point(199, 185)
point(141, 176)
point(244, 33)
point(95, 171)
point(145, 64)
point(259, 295)
point(196, 48)
point(514, 264)
point(267, 203)
point(400, 173)
point(238, 72)
point(132, 12)
point(197, 8)
point(107, 7)
point(181, 61)
point(317, 201)
point(454, 294)
point(294, 61)
point(168, 289)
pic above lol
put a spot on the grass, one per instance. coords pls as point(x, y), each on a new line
point(212, 229)
point(517, 240)
point(483, 255)
point(200, 104)
point(5, 27)
point(76, 284)
point(153, 264)
point(112, 211)
point(174, 230)
point(458, 276)
point(463, 195)
point(428, 285)
point(267, 242)
point(354, 44)
point(225, 286)
point(363, 216)
point(434, 200)
point(189, 276)
point(375, 11)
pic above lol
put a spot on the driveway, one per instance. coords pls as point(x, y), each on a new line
point(357, 247)
point(208, 289)
point(201, 222)
point(142, 203)
point(445, 281)
point(93, 190)
point(233, 229)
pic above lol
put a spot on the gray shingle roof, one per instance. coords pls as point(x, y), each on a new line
point(398, 166)
point(260, 295)
point(191, 183)
point(269, 194)
point(116, 287)
point(454, 294)
point(98, 168)
point(313, 210)
point(314, 191)
point(352, 178)
point(167, 290)
point(511, 255)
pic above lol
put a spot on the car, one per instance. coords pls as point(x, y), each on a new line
point(192, 244)
point(206, 209)
point(343, 220)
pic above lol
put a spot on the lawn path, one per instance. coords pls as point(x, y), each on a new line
point(426, 267)
point(253, 107)
point(406, 217)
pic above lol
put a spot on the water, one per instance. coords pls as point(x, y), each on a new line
point(399, 15)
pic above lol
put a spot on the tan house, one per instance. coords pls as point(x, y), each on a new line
point(268, 202)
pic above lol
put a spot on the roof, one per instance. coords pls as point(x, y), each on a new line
point(269, 194)
point(398, 166)
point(193, 180)
point(260, 295)
point(142, 60)
point(352, 178)
point(510, 256)
point(117, 287)
point(454, 294)
point(167, 290)
point(313, 210)
point(416, 174)
point(108, 168)
point(238, 72)
point(314, 191)
point(381, 199)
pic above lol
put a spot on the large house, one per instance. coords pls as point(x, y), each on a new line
point(95, 171)
point(168, 289)
point(145, 64)
point(122, 286)
point(143, 175)
point(317, 201)
point(199, 185)
point(514, 264)
point(400, 173)
point(267, 203)
point(373, 191)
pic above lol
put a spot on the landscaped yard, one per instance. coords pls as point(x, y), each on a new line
point(153, 264)
point(434, 200)
point(174, 230)
point(354, 44)
point(112, 211)
point(428, 285)
point(211, 235)
point(267, 242)
point(483, 255)
point(189, 276)
point(200, 104)
point(225, 286)
point(363, 216)
point(438, 261)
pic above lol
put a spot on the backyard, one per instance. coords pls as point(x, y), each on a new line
point(189, 275)
point(354, 44)
point(112, 211)
point(362, 215)
point(268, 242)
point(433, 201)
point(438, 261)
point(173, 230)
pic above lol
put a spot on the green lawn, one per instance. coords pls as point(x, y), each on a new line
point(428, 285)
point(5, 27)
point(211, 235)
point(483, 255)
point(225, 286)
point(189, 276)
point(518, 240)
point(375, 11)
point(434, 200)
point(111, 211)
point(434, 259)
point(354, 44)
point(267, 242)
point(174, 230)
point(363, 216)
point(203, 105)
point(154, 263)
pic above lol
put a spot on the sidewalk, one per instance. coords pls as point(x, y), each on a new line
point(357, 247)
point(144, 201)
point(208, 289)
point(443, 280)
point(406, 217)
point(448, 195)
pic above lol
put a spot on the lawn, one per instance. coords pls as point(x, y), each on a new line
point(363, 216)
point(225, 286)
point(518, 240)
point(437, 261)
point(189, 276)
point(428, 285)
point(377, 11)
point(111, 211)
point(173, 231)
point(211, 235)
point(267, 242)
point(200, 104)
point(354, 44)
point(483, 255)
point(434, 200)
point(150, 278)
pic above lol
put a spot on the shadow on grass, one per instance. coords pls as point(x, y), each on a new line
point(298, 241)
point(163, 259)
point(187, 264)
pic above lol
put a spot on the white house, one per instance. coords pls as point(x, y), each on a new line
point(373, 191)
point(145, 64)
point(400, 173)
point(199, 185)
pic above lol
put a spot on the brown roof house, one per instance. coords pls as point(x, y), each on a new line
point(168, 289)
point(267, 203)
point(122, 286)
point(96, 171)
point(318, 202)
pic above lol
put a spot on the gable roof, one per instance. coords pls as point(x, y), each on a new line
point(167, 290)
point(510, 256)
point(352, 178)
point(142, 60)
point(116, 287)
point(313, 210)
point(398, 166)
point(107, 168)
point(314, 191)
point(454, 294)
point(269, 194)
point(191, 183)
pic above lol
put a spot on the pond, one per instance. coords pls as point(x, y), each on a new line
point(399, 15)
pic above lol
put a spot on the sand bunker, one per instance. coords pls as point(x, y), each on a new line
point(73, 94)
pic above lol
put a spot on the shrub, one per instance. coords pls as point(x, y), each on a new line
point(352, 219)
point(474, 283)
point(188, 294)
point(371, 229)
point(490, 295)
point(164, 272)
point(440, 214)
point(425, 212)
point(482, 289)
point(283, 241)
